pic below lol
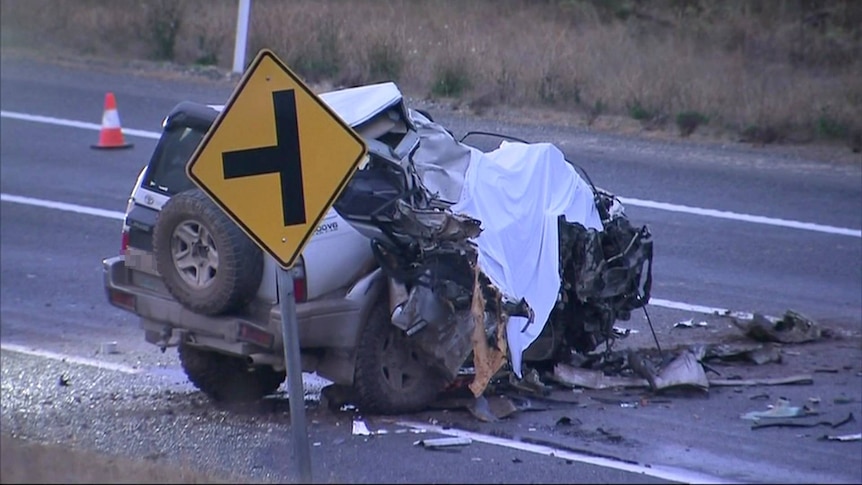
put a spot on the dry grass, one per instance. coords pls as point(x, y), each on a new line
point(790, 67)
point(25, 461)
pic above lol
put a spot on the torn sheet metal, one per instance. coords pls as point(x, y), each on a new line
point(754, 352)
point(684, 370)
point(488, 357)
point(592, 379)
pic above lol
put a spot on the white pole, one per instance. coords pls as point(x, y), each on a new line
point(241, 35)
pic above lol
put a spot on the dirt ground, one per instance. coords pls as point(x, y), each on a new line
point(24, 461)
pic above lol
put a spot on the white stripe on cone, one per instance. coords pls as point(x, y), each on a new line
point(111, 119)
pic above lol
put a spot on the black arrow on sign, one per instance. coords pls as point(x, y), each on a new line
point(283, 158)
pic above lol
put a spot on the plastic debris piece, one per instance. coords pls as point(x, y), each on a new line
point(360, 428)
point(781, 409)
point(845, 437)
point(690, 323)
point(443, 442)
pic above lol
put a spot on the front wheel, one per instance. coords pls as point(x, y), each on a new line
point(224, 378)
point(391, 377)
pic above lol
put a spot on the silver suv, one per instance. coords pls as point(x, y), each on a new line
point(390, 289)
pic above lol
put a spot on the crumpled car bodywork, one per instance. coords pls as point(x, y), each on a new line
point(491, 256)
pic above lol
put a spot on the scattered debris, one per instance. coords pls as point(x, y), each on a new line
point(804, 424)
point(481, 410)
point(793, 328)
point(360, 428)
point(108, 348)
point(621, 333)
point(846, 437)
point(753, 352)
point(690, 323)
point(781, 409)
point(443, 442)
point(765, 381)
point(593, 379)
point(567, 421)
point(685, 370)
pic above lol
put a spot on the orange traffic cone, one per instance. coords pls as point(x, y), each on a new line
point(111, 135)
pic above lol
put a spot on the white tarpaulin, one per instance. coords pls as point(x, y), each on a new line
point(517, 191)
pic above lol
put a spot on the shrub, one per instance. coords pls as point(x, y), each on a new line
point(638, 111)
point(320, 57)
point(688, 121)
point(452, 78)
point(385, 61)
point(597, 109)
point(831, 128)
point(163, 20)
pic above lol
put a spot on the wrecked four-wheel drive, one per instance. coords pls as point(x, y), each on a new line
point(436, 257)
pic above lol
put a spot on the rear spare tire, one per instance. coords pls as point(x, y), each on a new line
point(224, 378)
point(206, 262)
point(390, 376)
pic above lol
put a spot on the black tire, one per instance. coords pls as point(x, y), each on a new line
point(206, 262)
point(224, 378)
point(390, 376)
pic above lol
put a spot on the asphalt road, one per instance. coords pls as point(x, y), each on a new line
point(803, 253)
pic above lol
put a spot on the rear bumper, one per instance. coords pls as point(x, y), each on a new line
point(325, 323)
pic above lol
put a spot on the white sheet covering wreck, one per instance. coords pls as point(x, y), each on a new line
point(518, 191)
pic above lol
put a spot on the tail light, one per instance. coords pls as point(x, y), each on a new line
point(124, 241)
point(300, 288)
point(121, 299)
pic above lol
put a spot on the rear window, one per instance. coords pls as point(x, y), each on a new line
point(167, 172)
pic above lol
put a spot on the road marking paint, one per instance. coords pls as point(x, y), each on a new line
point(650, 204)
point(72, 359)
point(807, 226)
point(63, 206)
point(120, 216)
point(74, 124)
point(662, 472)
point(724, 312)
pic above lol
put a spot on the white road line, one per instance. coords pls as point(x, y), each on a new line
point(73, 124)
point(661, 472)
point(63, 206)
point(47, 354)
point(650, 204)
point(120, 216)
point(807, 226)
point(666, 473)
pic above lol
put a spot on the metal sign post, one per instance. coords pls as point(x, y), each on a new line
point(293, 365)
point(276, 182)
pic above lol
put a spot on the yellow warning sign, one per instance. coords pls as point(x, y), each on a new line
point(276, 158)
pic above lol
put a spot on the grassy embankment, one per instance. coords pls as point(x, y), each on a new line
point(755, 70)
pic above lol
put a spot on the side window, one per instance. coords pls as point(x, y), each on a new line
point(167, 171)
